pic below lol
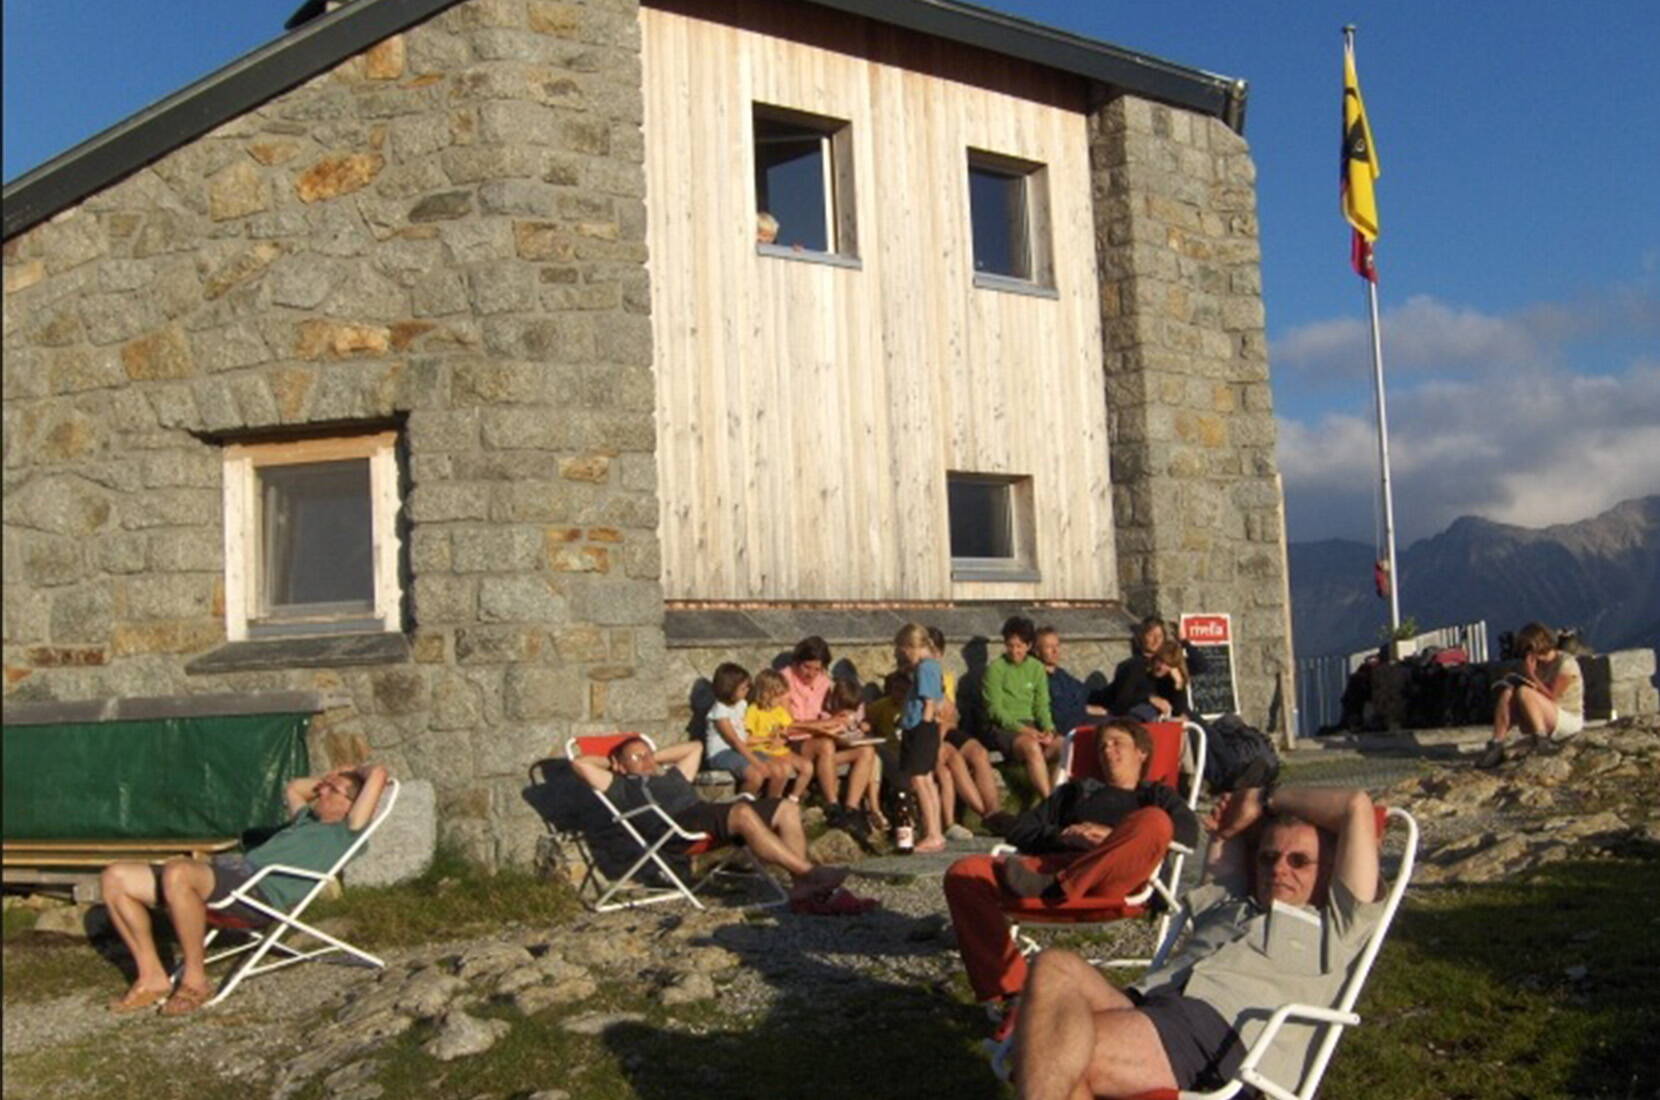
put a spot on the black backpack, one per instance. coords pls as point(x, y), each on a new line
point(1238, 755)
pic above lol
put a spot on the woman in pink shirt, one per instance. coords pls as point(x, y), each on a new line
point(807, 678)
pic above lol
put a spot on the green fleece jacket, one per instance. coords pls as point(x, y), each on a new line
point(1017, 695)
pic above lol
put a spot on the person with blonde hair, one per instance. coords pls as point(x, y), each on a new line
point(1545, 699)
point(919, 739)
point(767, 725)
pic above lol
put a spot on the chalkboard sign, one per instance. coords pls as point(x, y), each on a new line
point(1209, 643)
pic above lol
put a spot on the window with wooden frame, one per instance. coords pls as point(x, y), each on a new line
point(992, 530)
point(311, 536)
point(1008, 203)
point(803, 185)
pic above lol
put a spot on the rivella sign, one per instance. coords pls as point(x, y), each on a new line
point(1209, 641)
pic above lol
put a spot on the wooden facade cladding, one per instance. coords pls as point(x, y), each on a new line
point(807, 412)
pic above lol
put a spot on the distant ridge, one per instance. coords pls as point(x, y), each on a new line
point(1601, 575)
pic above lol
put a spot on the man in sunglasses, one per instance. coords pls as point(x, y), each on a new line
point(1290, 896)
point(326, 812)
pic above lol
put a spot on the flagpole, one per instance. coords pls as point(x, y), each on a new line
point(1383, 462)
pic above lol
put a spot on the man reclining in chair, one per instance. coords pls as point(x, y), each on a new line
point(1088, 839)
point(633, 776)
point(325, 813)
point(1279, 920)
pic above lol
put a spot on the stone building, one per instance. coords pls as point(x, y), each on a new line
point(425, 367)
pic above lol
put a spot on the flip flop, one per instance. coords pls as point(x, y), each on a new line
point(186, 1000)
point(137, 1000)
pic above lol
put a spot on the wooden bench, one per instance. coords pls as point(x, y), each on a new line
point(75, 863)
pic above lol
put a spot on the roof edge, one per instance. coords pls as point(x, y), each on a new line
point(255, 78)
point(320, 43)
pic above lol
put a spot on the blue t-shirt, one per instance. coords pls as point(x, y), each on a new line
point(1068, 700)
point(927, 682)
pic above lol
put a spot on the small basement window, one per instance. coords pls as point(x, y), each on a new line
point(991, 527)
point(1008, 202)
point(803, 184)
point(311, 540)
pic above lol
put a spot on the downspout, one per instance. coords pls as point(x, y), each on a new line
point(1233, 112)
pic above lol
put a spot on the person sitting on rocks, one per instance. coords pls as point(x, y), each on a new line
point(1290, 899)
point(1545, 699)
point(1089, 839)
point(326, 813)
point(634, 776)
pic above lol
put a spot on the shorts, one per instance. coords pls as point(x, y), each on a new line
point(1003, 738)
point(728, 760)
point(715, 818)
point(919, 749)
point(959, 737)
point(1204, 1050)
point(230, 870)
point(1567, 723)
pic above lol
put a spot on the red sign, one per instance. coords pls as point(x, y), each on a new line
point(1205, 629)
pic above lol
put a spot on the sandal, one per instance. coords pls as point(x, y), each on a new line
point(136, 1000)
point(837, 903)
point(186, 1000)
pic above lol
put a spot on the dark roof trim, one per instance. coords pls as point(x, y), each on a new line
point(215, 99)
point(318, 44)
point(1143, 74)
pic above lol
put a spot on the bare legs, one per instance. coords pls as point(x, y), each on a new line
point(928, 802)
point(782, 844)
point(1524, 708)
point(1079, 1037)
point(130, 892)
point(1028, 750)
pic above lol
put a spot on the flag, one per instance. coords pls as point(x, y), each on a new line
point(1359, 170)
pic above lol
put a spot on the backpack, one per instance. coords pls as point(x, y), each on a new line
point(1238, 755)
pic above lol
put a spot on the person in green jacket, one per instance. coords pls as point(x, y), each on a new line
point(1016, 695)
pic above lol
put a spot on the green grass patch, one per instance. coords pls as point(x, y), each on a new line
point(96, 1069)
point(40, 966)
point(1473, 997)
point(453, 899)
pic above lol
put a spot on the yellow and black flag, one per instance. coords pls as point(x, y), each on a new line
point(1359, 168)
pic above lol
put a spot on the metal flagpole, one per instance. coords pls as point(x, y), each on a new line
point(1383, 461)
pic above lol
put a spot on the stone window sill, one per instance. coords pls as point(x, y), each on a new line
point(324, 651)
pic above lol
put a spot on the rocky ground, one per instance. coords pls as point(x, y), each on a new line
point(318, 1029)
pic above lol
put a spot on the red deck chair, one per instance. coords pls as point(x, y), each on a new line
point(1080, 760)
point(674, 840)
point(1333, 1018)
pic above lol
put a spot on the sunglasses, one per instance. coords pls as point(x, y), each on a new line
point(1297, 861)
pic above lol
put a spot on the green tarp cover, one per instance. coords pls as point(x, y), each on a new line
point(175, 777)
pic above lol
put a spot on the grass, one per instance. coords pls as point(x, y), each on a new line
point(1473, 999)
point(453, 899)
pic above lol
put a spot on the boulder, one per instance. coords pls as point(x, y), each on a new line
point(692, 987)
point(402, 847)
point(461, 1036)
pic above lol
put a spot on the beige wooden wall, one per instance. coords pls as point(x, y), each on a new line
point(807, 414)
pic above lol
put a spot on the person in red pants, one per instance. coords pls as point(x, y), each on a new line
point(1088, 839)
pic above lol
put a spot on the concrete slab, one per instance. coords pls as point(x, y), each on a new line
point(929, 865)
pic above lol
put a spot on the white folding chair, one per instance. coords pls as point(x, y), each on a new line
point(267, 938)
point(672, 840)
point(1335, 1017)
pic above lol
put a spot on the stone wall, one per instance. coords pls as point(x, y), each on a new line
point(1196, 500)
point(446, 232)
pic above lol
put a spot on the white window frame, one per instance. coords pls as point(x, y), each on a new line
point(245, 605)
point(1022, 564)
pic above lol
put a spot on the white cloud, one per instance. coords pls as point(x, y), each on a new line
point(1533, 448)
point(1427, 335)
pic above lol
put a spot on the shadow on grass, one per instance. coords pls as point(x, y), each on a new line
point(836, 1031)
point(1545, 987)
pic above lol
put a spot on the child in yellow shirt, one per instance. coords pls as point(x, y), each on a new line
point(766, 726)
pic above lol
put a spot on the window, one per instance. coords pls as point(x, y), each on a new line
point(803, 185)
point(311, 540)
point(991, 527)
point(1008, 203)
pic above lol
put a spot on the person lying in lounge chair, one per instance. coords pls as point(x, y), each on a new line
point(634, 776)
point(325, 814)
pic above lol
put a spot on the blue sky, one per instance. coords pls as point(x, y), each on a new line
point(1520, 255)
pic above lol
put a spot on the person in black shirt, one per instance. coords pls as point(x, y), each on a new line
point(1089, 839)
point(1168, 673)
point(634, 776)
point(1132, 679)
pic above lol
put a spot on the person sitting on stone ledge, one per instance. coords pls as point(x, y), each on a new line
point(634, 776)
point(1088, 839)
point(1545, 699)
point(325, 814)
point(1312, 851)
